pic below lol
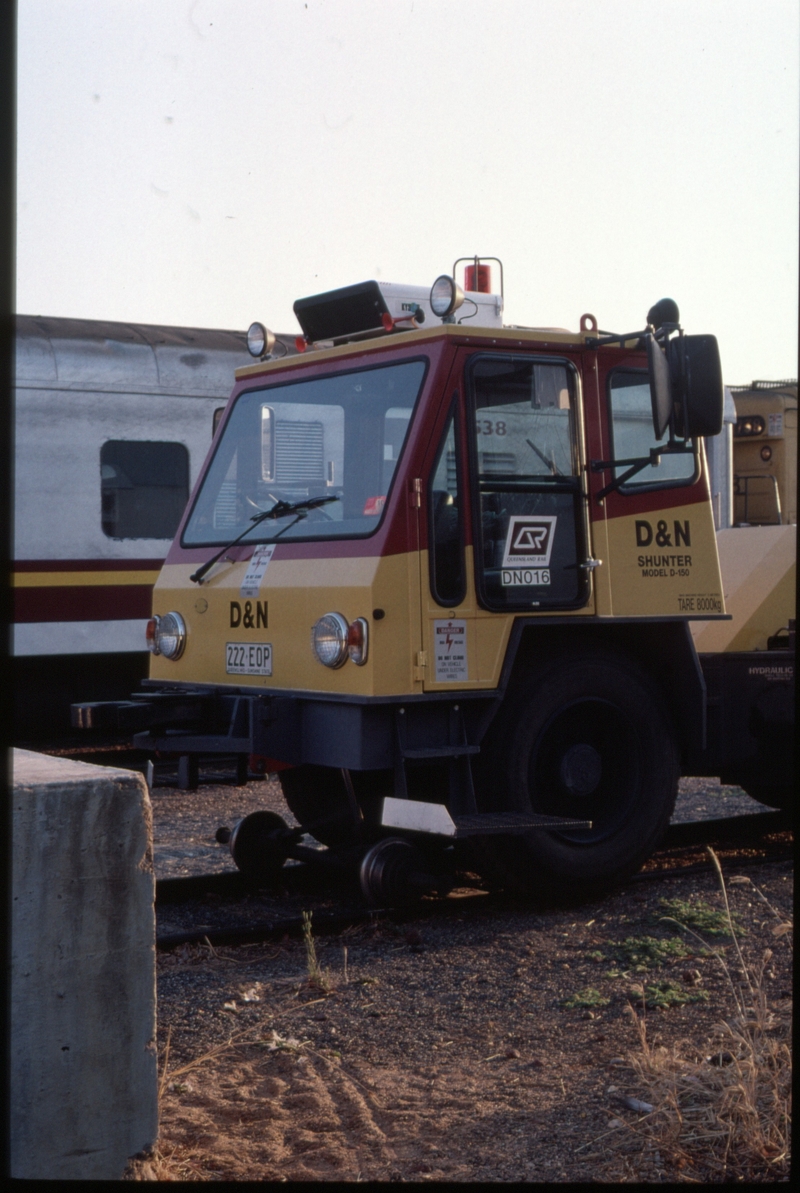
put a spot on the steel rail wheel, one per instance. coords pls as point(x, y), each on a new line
point(259, 845)
point(587, 736)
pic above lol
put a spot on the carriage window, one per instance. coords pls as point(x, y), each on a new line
point(632, 433)
point(144, 488)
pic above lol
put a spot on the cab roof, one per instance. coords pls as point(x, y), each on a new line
point(458, 333)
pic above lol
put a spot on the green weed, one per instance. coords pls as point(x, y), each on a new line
point(640, 953)
point(588, 997)
point(669, 994)
point(702, 917)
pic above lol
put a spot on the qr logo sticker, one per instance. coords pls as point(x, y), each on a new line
point(529, 541)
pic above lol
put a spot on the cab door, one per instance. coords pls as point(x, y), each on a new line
point(528, 488)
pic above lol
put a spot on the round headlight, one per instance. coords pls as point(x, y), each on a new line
point(446, 296)
point(170, 635)
point(329, 639)
point(260, 340)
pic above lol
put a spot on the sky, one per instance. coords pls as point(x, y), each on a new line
point(203, 163)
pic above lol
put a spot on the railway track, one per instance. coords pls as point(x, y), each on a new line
point(755, 838)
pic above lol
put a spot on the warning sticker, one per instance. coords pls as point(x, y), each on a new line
point(256, 569)
point(529, 541)
point(450, 651)
point(775, 423)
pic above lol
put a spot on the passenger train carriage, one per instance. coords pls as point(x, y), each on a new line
point(112, 424)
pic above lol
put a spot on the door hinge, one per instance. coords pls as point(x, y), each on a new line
point(421, 664)
point(416, 492)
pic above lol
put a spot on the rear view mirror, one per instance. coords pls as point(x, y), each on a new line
point(660, 386)
point(697, 380)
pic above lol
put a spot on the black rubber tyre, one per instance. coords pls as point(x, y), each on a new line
point(587, 736)
point(318, 798)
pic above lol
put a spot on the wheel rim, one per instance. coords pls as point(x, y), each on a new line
point(586, 763)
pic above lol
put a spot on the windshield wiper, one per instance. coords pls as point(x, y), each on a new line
point(551, 464)
point(281, 509)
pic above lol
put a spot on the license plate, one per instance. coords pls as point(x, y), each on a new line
point(248, 658)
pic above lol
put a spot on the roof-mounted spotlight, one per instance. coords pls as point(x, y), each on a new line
point(260, 340)
point(446, 297)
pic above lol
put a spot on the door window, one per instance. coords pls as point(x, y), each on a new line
point(528, 487)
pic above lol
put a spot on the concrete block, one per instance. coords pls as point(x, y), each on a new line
point(84, 1082)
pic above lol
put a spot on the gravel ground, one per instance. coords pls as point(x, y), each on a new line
point(490, 1044)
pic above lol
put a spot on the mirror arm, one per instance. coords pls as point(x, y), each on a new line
point(661, 333)
point(601, 341)
point(637, 464)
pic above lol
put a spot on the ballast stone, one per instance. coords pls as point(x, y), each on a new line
point(83, 1080)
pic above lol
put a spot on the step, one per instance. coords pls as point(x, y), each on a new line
point(417, 816)
point(486, 823)
point(441, 752)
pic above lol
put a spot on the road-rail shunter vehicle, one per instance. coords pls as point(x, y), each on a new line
point(439, 574)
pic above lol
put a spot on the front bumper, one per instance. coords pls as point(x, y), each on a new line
point(354, 733)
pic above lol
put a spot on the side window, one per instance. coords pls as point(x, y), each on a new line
point(445, 517)
point(144, 488)
point(218, 413)
point(632, 434)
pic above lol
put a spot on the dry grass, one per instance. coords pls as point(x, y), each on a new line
point(174, 1164)
point(318, 980)
point(724, 1116)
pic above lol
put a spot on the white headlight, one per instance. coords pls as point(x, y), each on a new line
point(260, 340)
point(446, 296)
point(170, 635)
point(329, 639)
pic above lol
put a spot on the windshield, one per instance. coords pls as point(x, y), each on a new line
point(338, 436)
